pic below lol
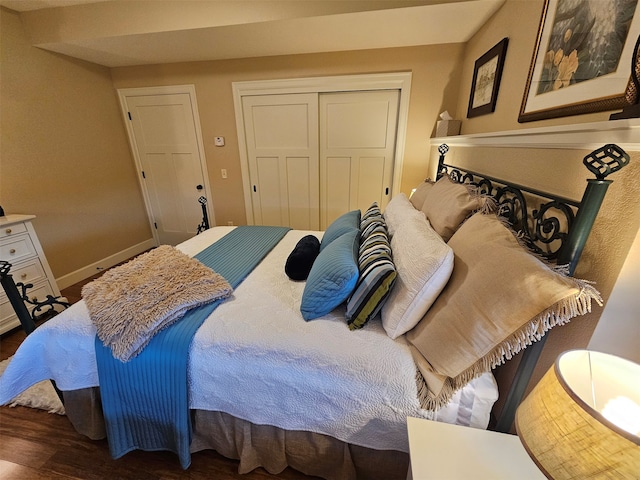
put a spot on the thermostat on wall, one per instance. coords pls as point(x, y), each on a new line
point(219, 141)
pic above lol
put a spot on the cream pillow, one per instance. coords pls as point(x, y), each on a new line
point(424, 264)
point(420, 193)
point(447, 204)
point(398, 210)
point(498, 300)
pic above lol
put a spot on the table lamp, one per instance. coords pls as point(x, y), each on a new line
point(583, 419)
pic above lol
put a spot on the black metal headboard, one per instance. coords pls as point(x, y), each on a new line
point(554, 227)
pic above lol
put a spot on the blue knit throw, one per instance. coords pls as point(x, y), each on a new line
point(145, 401)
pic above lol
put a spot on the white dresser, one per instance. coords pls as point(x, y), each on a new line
point(19, 245)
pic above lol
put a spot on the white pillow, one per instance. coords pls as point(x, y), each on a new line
point(424, 263)
point(398, 210)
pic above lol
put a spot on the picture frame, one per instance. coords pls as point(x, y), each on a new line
point(487, 73)
point(581, 70)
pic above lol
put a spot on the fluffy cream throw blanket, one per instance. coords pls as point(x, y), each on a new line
point(130, 303)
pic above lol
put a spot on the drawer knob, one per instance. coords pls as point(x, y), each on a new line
point(24, 275)
point(8, 230)
point(12, 251)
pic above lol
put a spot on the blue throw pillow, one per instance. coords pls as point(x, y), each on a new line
point(333, 277)
point(341, 225)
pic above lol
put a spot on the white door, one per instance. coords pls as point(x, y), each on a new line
point(357, 147)
point(165, 137)
point(281, 134)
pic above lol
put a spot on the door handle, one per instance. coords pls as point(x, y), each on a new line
point(199, 187)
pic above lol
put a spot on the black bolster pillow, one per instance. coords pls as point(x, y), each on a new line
point(302, 257)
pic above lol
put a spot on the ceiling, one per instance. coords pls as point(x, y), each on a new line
point(117, 33)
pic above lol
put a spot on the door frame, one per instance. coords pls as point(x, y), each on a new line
point(190, 90)
point(344, 83)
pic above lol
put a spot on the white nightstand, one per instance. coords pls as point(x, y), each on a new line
point(19, 245)
point(442, 451)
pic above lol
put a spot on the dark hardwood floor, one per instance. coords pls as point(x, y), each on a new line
point(37, 445)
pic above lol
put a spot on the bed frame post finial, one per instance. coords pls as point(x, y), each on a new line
point(442, 149)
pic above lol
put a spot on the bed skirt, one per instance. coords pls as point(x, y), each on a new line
point(258, 445)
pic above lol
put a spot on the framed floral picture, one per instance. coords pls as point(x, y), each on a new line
point(486, 80)
point(582, 59)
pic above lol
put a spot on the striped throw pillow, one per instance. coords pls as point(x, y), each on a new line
point(373, 214)
point(377, 276)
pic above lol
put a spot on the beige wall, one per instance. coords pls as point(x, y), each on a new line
point(64, 155)
point(434, 77)
point(559, 171)
point(91, 207)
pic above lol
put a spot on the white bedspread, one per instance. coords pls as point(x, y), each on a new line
point(257, 359)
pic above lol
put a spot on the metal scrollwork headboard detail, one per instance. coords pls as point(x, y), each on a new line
point(544, 227)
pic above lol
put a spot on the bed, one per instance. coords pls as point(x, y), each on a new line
point(321, 374)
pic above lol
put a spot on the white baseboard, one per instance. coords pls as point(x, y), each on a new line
point(108, 262)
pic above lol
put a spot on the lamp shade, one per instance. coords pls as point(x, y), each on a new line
point(583, 419)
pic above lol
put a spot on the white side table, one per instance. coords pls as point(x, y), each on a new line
point(442, 451)
point(20, 246)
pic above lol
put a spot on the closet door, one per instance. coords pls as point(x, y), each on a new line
point(357, 146)
point(281, 132)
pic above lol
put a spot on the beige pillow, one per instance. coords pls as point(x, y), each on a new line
point(423, 264)
point(420, 193)
point(498, 300)
point(447, 204)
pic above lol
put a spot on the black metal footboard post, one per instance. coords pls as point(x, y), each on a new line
point(17, 302)
point(602, 162)
point(205, 218)
point(15, 298)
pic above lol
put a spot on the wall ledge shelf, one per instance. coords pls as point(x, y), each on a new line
point(624, 133)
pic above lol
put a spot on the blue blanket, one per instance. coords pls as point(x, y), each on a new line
point(145, 401)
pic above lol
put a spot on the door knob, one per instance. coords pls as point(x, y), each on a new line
point(199, 187)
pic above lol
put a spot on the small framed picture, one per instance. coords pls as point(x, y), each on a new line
point(486, 80)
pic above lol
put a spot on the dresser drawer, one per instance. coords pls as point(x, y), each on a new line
point(12, 230)
point(30, 271)
point(15, 249)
